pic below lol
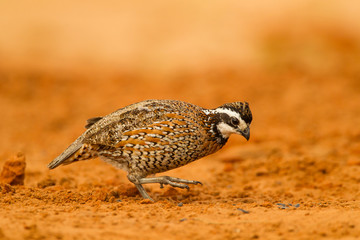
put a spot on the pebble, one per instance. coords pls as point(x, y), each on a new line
point(243, 210)
point(180, 204)
point(284, 206)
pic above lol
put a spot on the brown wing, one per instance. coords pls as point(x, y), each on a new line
point(113, 128)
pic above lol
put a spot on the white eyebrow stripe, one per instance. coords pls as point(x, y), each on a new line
point(228, 112)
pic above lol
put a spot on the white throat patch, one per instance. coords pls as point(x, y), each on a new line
point(225, 129)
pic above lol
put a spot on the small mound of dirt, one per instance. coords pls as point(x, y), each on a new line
point(13, 172)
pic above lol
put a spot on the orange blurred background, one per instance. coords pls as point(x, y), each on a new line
point(165, 37)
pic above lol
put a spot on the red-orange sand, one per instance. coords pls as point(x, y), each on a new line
point(298, 177)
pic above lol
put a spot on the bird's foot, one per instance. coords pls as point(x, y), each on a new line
point(163, 180)
point(166, 180)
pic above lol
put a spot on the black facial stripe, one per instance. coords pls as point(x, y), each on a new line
point(227, 119)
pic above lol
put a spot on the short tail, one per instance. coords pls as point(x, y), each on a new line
point(75, 152)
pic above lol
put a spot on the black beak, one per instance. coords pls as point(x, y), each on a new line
point(246, 133)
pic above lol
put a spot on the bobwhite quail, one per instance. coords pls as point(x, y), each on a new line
point(154, 136)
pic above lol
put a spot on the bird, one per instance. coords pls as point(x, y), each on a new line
point(154, 136)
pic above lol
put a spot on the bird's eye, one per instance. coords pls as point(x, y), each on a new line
point(235, 121)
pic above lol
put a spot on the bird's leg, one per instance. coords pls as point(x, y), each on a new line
point(142, 191)
point(175, 182)
point(139, 187)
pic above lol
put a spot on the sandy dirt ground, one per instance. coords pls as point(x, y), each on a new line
point(297, 177)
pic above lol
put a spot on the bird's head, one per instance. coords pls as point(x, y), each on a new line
point(234, 117)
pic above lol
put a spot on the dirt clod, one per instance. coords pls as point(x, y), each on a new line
point(146, 201)
point(13, 171)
